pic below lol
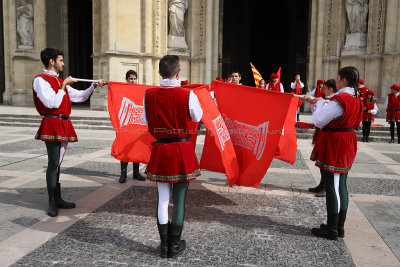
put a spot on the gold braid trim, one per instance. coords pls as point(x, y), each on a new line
point(332, 168)
point(173, 178)
point(56, 138)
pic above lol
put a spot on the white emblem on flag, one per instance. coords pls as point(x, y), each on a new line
point(130, 113)
point(222, 131)
point(248, 136)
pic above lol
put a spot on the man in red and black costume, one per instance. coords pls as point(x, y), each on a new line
point(275, 84)
point(170, 112)
point(52, 97)
point(393, 111)
point(370, 110)
point(361, 88)
point(319, 90)
point(336, 148)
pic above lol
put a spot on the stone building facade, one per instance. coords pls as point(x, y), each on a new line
point(376, 55)
point(103, 39)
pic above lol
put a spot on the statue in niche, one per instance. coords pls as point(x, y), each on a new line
point(25, 24)
point(357, 13)
point(176, 14)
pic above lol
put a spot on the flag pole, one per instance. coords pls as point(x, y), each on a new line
point(85, 80)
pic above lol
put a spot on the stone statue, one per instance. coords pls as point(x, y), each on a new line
point(25, 24)
point(176, 36)
point(357, 13)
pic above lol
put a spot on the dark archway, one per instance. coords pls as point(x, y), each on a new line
point(80, 42)
point(270, 34)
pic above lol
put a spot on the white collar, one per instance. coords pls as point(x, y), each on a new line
point(329, 96)
point(170, 83)
point(349, 90)
point(50, 72)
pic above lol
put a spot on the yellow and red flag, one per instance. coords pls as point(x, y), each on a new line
point(256, 74)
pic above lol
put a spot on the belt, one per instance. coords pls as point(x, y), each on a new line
point(172, 140)
point(63, 117)
point(393, 109)
point(337, 130)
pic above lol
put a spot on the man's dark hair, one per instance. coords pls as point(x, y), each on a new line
point(235, 71)
point(169, 66)
point(331, 84)
point(50, 53)
point(351, 75)
point(129, 73)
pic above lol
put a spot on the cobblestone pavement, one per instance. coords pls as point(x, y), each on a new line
point(114, 224)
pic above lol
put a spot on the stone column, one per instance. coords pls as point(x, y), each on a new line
point(209, 41)
point(22, 62)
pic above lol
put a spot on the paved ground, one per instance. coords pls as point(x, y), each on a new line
point(114, 224)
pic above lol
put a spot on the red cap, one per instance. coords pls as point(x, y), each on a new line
point(219, 79)
point(274, 76)
point(320, 82)
point(370, 92)
point(361, 81)
point(395, 87)
point(186, 82)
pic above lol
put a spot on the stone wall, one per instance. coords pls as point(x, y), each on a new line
point(378, 61)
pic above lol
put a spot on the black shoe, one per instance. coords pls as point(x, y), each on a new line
point(61, 204)
point(321, 193)
point(325, 232)
point(124, 166)
point(367, 140)
point(340, 230)
point(316, 189)
point(175, 245)
point(391, 141)
point(163, 231)
point(53, 210)
point(136, 173)
point(363, 139)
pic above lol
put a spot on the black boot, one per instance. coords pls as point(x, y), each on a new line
point(175, 245)
point(53, 210)
point(391, 133)
point(321, 193)
point(329, 230)
point(61, 204)
point(163, 231)
point(124, 166)
point(298, 116)
point(341, 220)
point(136, 173)
point(316, 189)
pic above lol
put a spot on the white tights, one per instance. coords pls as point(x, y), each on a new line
point(164, 194)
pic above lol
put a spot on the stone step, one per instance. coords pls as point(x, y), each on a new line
point(28, 116)
point(76, 126)
point(74, 121)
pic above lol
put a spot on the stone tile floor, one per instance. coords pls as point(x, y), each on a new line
point(114, 224)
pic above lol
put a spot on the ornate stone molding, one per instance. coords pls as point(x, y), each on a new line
point(202, 26)
point(380, 29)
point(157, 27)
point(329, 28)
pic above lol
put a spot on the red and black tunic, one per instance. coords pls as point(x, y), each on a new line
point(54, 129)
point(367, 107)
point(167, 113)
point(336, 145)
point(393, 109)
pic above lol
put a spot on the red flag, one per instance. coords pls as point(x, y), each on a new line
point(224, 153)
point(254, 119)
point(287, 146)
point(125, 105)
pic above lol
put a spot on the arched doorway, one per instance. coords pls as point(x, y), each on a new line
point(270, 34)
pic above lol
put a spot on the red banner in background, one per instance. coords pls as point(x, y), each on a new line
point(254, 119)
point(287, 146)
point(222, 158)
point(125, 105)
